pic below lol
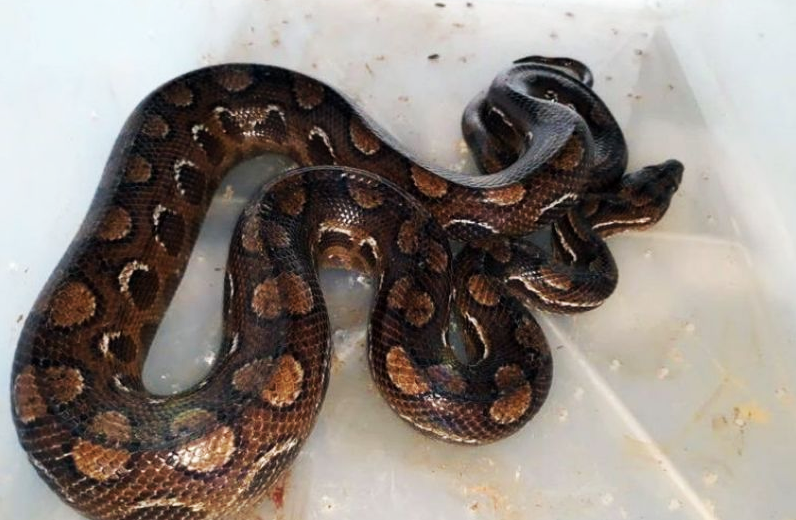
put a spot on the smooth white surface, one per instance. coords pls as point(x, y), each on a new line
point(673, 400)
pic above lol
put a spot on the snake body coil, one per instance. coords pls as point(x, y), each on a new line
point(552, 155)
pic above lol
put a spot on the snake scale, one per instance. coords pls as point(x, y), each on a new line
point(551, 157)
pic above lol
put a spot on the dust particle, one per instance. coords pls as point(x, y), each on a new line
point(228, 193)
point(19, 318)
point(433, 57)
point(439, 4)
point(638, 52)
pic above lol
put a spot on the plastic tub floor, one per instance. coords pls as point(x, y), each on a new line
point(675, 400)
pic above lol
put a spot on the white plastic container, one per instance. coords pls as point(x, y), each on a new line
point(673, 400)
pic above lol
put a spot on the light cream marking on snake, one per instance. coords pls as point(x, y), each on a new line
point(642, 221)
point(479, 330)
point(529, 285)
point(561, 200)
point(317, 131)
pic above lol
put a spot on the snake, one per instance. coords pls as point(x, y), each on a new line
point(551, 158)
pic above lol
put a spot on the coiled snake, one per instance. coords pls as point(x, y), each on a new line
point(553, 156)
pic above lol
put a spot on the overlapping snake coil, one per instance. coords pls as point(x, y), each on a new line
point(552, 157)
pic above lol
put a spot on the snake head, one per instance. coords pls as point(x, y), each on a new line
point(653, 185)
point(641, 200)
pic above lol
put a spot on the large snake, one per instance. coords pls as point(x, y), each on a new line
point(552, 157)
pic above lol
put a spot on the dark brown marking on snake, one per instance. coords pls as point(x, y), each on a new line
point(140, 283)
point(190, 181)
point(169, 229)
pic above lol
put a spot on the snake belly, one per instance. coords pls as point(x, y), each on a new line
point(553, 156)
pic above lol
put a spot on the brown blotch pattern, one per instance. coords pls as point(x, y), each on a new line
point(267, 301)
point(251, 377)
point(276, 235)
point(194, 420)
point(111, 427)
point(403, 373)
point(290, 199)
point(209, 452)
point(362, 137)
point(398, 293)
point(309, 93)
point(298, 295)
point(407, 237)
point(419, 308)
point(570, 155)
point(481, 290)
point(429, 184)
point(506, 196)
point(29, 405)
point(234, 79)
point(64, 384)
point(437, 257)
point(98, 462)
point(250, 236)
point(284, 386)
point(447, 378)
point(155, 126)
point(178, 94)
point(509, 376)
point(366, 197)
point(138, 169)
point(528, 334)
point(511, 407)
point(115, 225)
point(73, 304)
point(500, 250)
